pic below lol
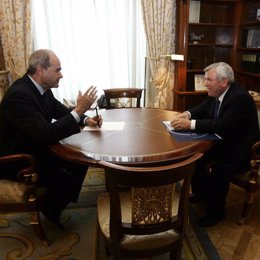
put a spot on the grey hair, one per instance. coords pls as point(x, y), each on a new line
point(39, 57)
point(223, 70)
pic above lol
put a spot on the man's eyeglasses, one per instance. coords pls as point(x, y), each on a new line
point(210, 79)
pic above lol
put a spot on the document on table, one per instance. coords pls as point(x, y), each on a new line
point(106, 126)
point(181, 135)
point(168, 125)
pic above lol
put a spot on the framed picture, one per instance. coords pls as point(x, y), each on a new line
point(199, 82)
point(258, 14)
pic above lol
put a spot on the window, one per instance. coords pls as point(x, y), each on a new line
point(99, 42)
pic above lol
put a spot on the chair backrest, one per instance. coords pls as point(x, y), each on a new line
point(119, 93)
point(255, 163)
point(249, 181)
point(153, 192)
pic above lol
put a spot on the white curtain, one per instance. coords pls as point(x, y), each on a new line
point(99, 42)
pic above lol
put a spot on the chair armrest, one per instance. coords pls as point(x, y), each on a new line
point(27, 174)
point(256, 151)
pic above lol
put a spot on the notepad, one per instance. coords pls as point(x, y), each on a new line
point(106, 126)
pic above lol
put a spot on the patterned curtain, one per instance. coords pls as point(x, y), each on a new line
point(15, 28)
point(159, 22)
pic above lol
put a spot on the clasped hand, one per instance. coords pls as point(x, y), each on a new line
point(181, 122)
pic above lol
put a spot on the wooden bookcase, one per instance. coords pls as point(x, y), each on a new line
point(214, 34)
point(248, 75)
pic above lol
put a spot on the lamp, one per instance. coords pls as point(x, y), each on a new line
point(172, 57)
point(176, 57)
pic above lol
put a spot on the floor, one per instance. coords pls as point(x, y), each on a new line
point(233, 241)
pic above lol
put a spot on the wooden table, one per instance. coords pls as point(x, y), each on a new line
point(144, 140)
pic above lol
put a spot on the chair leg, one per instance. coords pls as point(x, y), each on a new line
point(249, 199)
point(175, 254)
point(35, 221)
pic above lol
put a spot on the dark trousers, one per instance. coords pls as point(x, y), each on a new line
point(63, 180)
point(211, 180)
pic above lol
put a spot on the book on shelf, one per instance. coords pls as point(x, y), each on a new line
point(253, 13)
point(199, 82)
point(253, 38)
point(194, 11)
point(250, 62)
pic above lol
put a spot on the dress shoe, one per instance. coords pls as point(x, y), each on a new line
point(53, 217)
point(208, 221)
point(196, 198)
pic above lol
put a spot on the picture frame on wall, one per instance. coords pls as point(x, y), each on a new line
point(199, 82)
point(258, 14)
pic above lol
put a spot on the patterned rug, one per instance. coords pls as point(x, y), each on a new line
point(80, 239)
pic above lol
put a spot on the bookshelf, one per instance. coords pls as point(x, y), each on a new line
point(206, 33)
point(247, 63)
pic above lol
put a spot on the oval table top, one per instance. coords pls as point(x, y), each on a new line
point(143, 140)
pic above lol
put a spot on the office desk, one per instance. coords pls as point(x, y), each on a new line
point(144, 140)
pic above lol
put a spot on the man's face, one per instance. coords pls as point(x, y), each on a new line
point(52, 75)
point(215, 87)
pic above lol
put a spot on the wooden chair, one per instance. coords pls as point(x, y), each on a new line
point(120, 94)
point(250, 182)
point(20, 195)
point(150, 218)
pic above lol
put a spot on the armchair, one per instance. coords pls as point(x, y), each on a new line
point(20, 195)
point(249, 182)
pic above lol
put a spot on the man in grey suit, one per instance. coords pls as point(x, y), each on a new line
point(26, 126)
point(230, 112)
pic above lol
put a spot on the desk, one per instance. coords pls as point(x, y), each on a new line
point(144, 140)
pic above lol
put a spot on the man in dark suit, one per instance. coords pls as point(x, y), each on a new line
point(27, 114)
point(230, 112)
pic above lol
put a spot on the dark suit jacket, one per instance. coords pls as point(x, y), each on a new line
point(237, 123)
point(25, 119)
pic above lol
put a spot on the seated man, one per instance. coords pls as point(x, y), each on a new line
point(26, 126)
point(230, 112)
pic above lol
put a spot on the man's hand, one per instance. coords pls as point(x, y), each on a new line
point(94, 121)
point(185, 115)
point(85, 101)
point(181, 123)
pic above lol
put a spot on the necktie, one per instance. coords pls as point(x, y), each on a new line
point(44, 98)
point(216, 110)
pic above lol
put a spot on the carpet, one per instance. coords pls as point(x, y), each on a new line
point(80, 240)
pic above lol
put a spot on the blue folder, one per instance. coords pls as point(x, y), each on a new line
point(184, 136)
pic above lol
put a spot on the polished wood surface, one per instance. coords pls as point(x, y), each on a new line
point(144, 140)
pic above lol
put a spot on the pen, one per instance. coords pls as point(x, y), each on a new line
point(97, 117)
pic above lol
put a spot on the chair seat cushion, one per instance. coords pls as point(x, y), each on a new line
point(12, 192)
point(136, 242)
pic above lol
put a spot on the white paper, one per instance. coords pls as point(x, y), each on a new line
point(168, 125)
point(106, 126)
